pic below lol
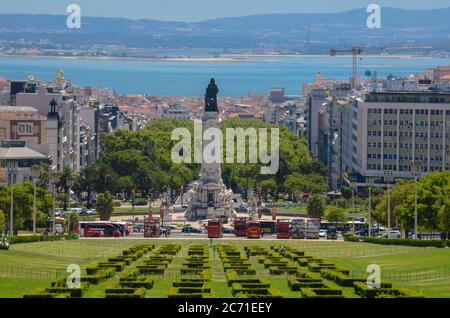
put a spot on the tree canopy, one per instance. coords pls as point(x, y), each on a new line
point(141, 161)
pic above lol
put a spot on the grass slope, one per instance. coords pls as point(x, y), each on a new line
point(29, 266)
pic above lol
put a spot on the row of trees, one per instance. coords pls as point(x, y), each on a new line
point(140, 162)
point(23, 206)
point(433, 203)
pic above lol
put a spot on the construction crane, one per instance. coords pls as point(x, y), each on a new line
point(355, 51)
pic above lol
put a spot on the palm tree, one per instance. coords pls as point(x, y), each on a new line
point(104, 206)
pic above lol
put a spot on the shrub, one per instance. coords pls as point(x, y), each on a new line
point(405, 242)
point(235, 277)
point(386, 290)
point(314, 267)
point(174, 293)
point(271, 294)
point(118, 266)
point(73, 292)
point(40, 238)
point(282, 270)
point(321, 293)
point(125, 293)
point(295, 284)
point(136, 282)
point(340, 278)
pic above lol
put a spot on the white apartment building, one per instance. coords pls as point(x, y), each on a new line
point(66, 111)
point(391, 129)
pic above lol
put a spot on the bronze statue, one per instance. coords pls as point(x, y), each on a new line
point(211, 97)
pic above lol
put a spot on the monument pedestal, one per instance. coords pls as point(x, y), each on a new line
point(208, 197)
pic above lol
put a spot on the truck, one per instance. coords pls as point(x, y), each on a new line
point(312, 229)
point(298, 228)
point(215, 228)
point(152, 227)
point(240, 227)
point(253, 229)
point(283, 229)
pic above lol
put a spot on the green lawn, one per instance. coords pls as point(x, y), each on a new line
point(29, 266)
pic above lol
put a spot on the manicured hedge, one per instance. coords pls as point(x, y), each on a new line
point(340, 278)
point(321, 293)
point(404, 242)
point(295, 284)
point(47, 295)
point(233, 277)
point(40, 238)
point(136, 282)
point(99, 276)
point(272, 294)
point(386, 290)
point(125, 293)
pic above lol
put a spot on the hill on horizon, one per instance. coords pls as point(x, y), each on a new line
point(264, 32)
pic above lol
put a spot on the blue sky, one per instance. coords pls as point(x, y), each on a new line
point(196, 10)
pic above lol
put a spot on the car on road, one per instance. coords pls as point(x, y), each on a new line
point(242, 209)
point(168, 226)
point(323, 233)
point(227, 230)
point(392, 234)
point(191, 229)
point(266, 210)
point(60, 213)
point(85, 211)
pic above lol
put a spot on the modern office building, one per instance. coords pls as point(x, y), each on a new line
point(392, 129)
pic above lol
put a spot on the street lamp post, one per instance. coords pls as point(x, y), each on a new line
point(388, 177)
point(353, 186)
point(69, 212)
point(447, 159)
point(34, 176)
point(12, 172)
point(54, 179)
point(369, 183)
point(415, 171)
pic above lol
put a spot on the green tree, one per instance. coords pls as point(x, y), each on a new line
point(335, 214)
point(346, 192)
point(65, 179)
point(315, 207)
point(104, 206)
point(2, 221)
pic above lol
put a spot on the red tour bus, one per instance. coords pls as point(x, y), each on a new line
point(253, 229)
point(215, 228)
point(283, 229)
point(240, 227)
point(100, 229)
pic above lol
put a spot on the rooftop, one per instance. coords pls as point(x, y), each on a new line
point(16, 149)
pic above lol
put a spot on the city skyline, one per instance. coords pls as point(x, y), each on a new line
point(179, 10)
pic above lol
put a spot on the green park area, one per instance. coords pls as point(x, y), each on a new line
point(229, 268)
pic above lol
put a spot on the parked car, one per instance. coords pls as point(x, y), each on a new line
point(4, 243)
point(60, 213)
point(242, 209)
point(392, 234)
point(323, 233)
point(227, 230)
point(190, 229)
point(169, 226)
point(266, 210)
